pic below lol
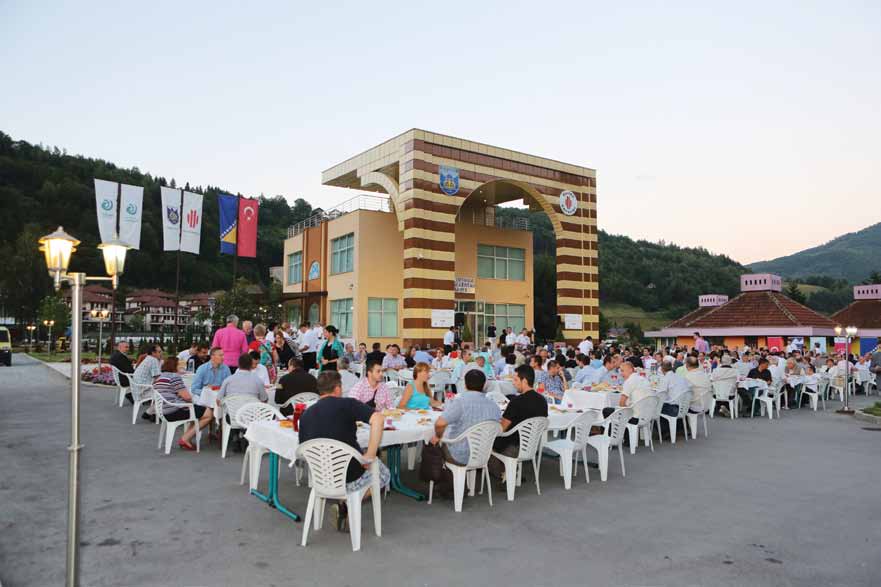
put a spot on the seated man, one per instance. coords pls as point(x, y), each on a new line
point(585, 373)
point(724, 373)
point(199, 358)
point(700, 385)
point(120, 360)
point(393, 359)
point(670, 387)
point(243, 382)
point(634, 389)
point(482, 365)
point(555, 383)
point(371, 388)
point(185, 354)
point(335, 417)
point(461, 413)
point(348, 378)
point(258, 368)
point(376, 354)
point(460, 366)
point(296, 380)
point(526, 404)
point(761, 372)
point(211, 374)
point(440, 360)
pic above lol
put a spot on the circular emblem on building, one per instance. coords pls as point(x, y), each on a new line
point(568, 203)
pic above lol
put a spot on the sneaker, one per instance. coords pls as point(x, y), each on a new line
point(724, 411)
point(148, 417)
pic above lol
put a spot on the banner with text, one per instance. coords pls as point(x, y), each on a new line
point(170, 219)
point(130, 212)
point(191, 230)
point(106, 193)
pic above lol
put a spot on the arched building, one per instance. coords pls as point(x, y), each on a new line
point(398, 268)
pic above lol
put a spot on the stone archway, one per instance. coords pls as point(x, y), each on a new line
point(408, 166)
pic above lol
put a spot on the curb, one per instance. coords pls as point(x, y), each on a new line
point(57, 372)
point(861, 415)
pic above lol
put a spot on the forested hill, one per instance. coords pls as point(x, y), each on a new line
point(852, 257)
point(42, 188)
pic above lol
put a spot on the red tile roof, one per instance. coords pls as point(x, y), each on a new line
point(691, 317)
point(152, 292)
point(860, 313)
point(755, 308)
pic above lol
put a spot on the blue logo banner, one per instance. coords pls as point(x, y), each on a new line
point(448, 178)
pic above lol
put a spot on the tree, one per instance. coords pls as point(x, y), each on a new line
point(874, 277)
point(235, 301)
point(52, 307)
point(793, 292)
point(24, 280)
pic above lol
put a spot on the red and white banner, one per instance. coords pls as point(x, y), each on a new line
point(247, 227)
point(191, 229)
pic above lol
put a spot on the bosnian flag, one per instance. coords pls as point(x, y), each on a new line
point(228, 205)
point(247, 227)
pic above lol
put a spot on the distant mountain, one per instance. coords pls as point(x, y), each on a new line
point(851, 256)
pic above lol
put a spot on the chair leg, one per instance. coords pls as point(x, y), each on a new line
point(245, 459)
point(621, 455)
point(489, 487)
point(650, 439)
point(161, 434)
point(320, 504)
point(633, 437)
point(603, 461)
point(169, 435)
point(198, 435)
point(458, 487)
point(672, 422)
point(511, 466)
point(135, 409)
point(430, 491)
point(354, 503)
point(307, 520)
point(535, 471)
point(471, 478)
point(376, 502)
point(224, 442)
point(685, 424)
point(411, 457)
point(566, 464)
point(586, 468)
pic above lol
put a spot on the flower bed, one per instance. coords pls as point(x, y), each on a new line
point(101, 375)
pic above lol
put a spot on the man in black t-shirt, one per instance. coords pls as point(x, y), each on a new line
point(760, 372)
point(119, 359)
point(335, 417)
point(297, 380)
point(376, 354)
point(526, 404)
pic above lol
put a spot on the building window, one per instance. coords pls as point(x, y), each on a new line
point(314, 314)
point(295, 315)
point(342, 251)
point(382, 317)
point(341, 316)
point(507, 315)
point(295, 267)
point(501, 263)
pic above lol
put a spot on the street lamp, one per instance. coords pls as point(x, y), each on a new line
point(850, 332)
point(31, 328)
point(49, 324)
point(58, 248)
point(101, 316)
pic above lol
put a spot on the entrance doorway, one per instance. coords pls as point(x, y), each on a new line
point(472, 313)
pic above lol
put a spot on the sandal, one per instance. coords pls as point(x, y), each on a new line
point(185, 445)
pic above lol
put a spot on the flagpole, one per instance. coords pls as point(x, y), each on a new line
point(235, 258)
point(113, 292)
point(180, 229)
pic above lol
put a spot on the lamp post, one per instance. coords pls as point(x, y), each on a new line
point(850, 332)
point(58, 248)
point(31, 328)
point(49, 324)
point(100, 315)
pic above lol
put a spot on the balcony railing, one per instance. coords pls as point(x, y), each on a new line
point(362, 202)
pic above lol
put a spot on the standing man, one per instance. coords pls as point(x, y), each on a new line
point(308, 347)
point(491, 335)
point(233, 341)
point(449, 340)
point(586, 346)
point(248, 329)
point(700, 344)
point(120, 360)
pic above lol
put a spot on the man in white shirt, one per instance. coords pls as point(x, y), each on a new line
point(510, 338)
point(634, 389)
point(585, 346)
point(309, 347)
point(449, 339)
point(185, 354)
point(440, 361)
point(522, 341)
point(700, 384)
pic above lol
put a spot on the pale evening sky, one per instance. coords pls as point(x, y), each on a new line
point(750, 128)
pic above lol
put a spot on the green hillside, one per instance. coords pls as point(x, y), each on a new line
point(851, 257)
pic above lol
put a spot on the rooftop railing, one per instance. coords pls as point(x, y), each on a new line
point(362, 202)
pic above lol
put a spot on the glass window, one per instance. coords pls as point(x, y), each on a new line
point(295, 315)
point(314, 314)
point(505, 315)
point(341, 316)
point(501, 263)
point(295, 267)
point(382, 317)
point(342, 254)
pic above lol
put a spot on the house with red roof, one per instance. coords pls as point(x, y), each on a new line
point(760, 312)
point(864, 313)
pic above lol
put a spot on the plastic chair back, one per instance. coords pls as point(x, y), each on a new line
point(684, 402)
point(304, 397)
point(480, 442)
point(646, 409)
point(618, 421)
point(231, 405)
point(580, 428)
point(724, 390)
point(532, 434)
point(328, 462)
point(256, 412)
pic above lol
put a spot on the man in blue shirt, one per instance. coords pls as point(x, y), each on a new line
point(210, 374)
point(422, 356)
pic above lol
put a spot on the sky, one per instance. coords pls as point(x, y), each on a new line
point(752, 129)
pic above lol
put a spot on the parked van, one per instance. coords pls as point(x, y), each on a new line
point(5, 346)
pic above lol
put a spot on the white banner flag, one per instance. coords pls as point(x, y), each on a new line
point(130, 212)
point(191, 232)
point(105, 200)
point(170, 218)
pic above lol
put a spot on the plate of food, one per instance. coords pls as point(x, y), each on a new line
point(286, 423)
point(393, 413)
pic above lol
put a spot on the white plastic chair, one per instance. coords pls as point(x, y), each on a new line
point(438, 383)
point(392, 376)
point(498, 397)
point(480, 439)
point(328, 462)
point(768, 397)
point(647, 409)
point(230, 406)
point(705, 400)
point(121, 389)
point(532, 435)
point(725, 392)
point(141, 395)
point(395, 391)
point(300, 398)
point(245, 416)
point(683, 403)
point(573, 444)
point(166, 428)
point(612, 436)
point(818, 392)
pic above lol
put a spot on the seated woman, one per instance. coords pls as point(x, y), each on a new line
point(172, 389)
point(417, 394)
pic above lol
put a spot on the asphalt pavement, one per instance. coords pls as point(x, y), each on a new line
point(795, 501)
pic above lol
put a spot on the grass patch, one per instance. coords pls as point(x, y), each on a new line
point(874, 410)
point(64, 357)
point(622, 313)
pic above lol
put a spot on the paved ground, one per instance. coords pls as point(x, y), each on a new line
point(789, 502)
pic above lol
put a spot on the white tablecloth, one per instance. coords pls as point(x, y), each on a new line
point(590, 400)
point(560, 418)
point(502, 386)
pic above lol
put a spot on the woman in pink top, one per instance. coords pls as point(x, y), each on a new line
point(233, 342)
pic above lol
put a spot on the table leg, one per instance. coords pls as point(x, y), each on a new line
point(394, 465)
point(271, 497)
